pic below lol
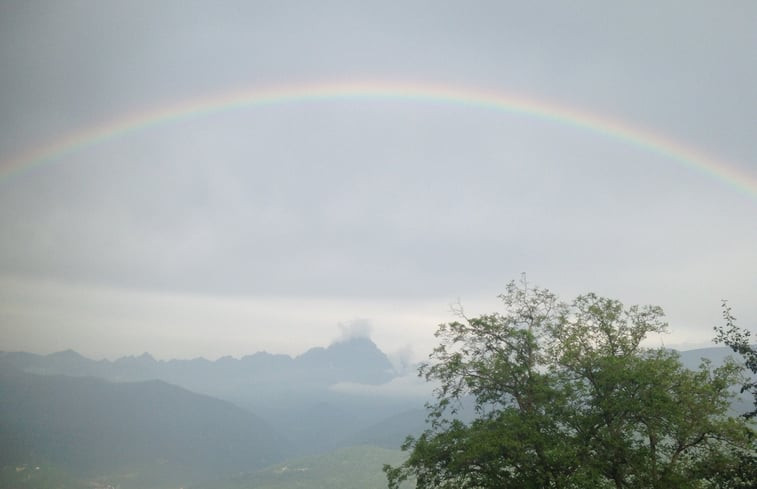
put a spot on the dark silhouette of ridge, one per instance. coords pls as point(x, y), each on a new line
point(90, 426)
point(353, 360)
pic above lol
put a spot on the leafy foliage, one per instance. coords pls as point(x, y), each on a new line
point(566, 397)
point(743, 473)
point(739, 340)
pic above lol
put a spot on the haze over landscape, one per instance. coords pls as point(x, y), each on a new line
point(332, 416)
point(258, 212)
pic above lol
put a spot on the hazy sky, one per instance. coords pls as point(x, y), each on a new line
point(280, 227)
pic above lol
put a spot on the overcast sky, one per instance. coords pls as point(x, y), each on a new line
point(281, 227)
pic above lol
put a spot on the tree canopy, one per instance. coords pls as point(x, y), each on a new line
point(740, 341)
point(743, 474)
point(565, 396)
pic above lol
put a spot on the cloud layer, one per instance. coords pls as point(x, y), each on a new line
point(291, 219)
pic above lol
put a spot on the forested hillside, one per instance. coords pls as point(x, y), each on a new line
point(91, 427)
point(299, 396)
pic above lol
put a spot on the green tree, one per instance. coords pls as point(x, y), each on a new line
point(566, 397)
point(739, 340)
point(742, 474)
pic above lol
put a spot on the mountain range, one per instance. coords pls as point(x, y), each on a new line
point(207, 419)
point(354, 360)
point(306, 399)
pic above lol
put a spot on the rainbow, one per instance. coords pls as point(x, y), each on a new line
point(118, 127)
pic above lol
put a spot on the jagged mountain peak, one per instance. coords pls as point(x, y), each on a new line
point(356, 359)
point(353, 359)
point(66, 354)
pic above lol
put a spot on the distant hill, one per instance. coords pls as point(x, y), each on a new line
point(717, 355)
point(298, 396)
point(90, 426)
point(392, 431)
point(354, 360)
point(293, 393)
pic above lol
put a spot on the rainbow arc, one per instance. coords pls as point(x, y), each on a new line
point(682, 154)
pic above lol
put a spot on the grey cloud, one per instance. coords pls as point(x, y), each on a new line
point(381, 198)
point(357, 328)
point(409, 386)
